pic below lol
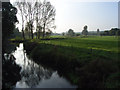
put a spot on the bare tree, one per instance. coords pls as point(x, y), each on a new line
point(38, 7)
point(38, 15)
point(27, 10)
point(31, 13)
point(48, 15)
point(27, 18)
point(20, 6)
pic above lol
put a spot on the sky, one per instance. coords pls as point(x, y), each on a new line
point(75, 14)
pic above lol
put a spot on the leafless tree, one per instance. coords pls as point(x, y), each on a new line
point(48, 15)
point(38, 7)
point(31, 14)
point(36, 12)
point(20, 6)
point(26, 15)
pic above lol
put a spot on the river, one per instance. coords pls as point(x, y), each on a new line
point(34, 75)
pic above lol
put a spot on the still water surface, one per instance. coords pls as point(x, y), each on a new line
point(34, 75)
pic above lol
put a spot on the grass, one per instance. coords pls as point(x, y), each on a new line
point(107, 43)
point(95, 57)
point(106, 46)
point(81, 48)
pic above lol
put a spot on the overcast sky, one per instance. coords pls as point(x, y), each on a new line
point(75, 14)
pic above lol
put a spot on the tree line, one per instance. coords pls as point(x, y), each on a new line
point(38, 16)
point(85, 32)
point(112, 32)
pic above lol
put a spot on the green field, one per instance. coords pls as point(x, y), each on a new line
point(106, 43)
point(106, 46)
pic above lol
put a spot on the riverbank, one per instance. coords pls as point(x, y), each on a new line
point(86, 67)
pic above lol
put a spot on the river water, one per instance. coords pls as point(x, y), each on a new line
point(34, 75)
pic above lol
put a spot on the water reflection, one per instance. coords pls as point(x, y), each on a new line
point(36, 76)
point(10, 71)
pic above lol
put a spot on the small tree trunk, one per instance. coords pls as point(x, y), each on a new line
point(44, 31)
point(36, 34)
point(39, 34)
point(31, 30)
point(32, 33)
point(29, 34)
point(23, 34)
point(23, 28)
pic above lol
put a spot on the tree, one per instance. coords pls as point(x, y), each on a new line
point(48, 33)
point(39, 29)
point(38, 18)
point(27, 32)
point(27, 18)
point(71, 32)
point(31, 14)
point(118, 33)
point(8, 19)
point(85, 32)
point(48, 16)
point(16, 33)
point(77, 34)
point(27, 10)
point(106, 33)
point(20, 6)
point(113, 31)
point(98, 32)
point(63, 34)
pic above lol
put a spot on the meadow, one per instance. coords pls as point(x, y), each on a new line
point(106, 43)
point(107, 46)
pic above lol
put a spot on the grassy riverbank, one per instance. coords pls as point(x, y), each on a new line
point(87, 61)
